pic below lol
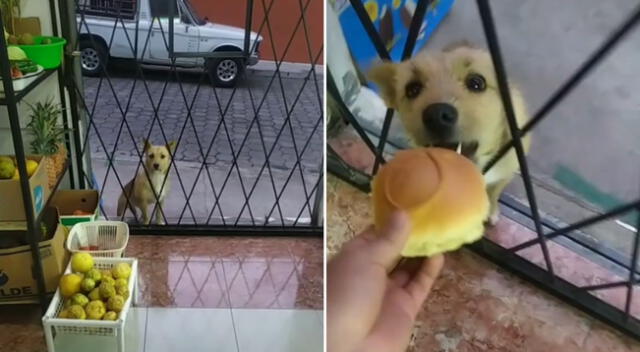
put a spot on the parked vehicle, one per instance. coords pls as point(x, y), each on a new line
point(99, 20)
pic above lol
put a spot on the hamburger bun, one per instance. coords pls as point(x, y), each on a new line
point(442, 192)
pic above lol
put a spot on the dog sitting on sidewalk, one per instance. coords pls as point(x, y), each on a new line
point(150, 185)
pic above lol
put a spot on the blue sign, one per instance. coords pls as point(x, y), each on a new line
point(392, 19)
point(38, 198)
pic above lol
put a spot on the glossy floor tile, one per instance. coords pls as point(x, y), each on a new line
point(266, 330)
point(477, 306)
point(187, 329)
point(216, 272)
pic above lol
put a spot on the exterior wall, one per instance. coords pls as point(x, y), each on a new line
point(283, 17)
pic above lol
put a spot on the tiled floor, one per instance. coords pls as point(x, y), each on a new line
point(207, 294)
point(476, 306)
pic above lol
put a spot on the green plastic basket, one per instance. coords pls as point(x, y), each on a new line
point(46, 55)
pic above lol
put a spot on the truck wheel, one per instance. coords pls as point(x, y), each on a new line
point(93, 57)
point(225, 72)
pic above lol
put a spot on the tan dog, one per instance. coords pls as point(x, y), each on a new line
point(450, 98)
point(154, 177)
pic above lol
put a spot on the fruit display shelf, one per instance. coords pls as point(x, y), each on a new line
point(60, 332)
point(19, 94)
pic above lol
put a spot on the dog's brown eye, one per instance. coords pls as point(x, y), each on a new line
point(161, 156)
point(150, 156)
point(413, 89)
point(475, 82)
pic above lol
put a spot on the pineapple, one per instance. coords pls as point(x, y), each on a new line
point(48, 137)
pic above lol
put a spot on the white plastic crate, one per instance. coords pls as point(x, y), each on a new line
point(110, 237)
point(54, 326)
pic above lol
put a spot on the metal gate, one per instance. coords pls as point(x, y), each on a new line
point(230, 148)
point(546, 229)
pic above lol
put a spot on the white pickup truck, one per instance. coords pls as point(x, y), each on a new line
point(103, 35)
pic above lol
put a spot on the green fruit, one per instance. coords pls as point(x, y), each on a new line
point(77, 312)
point(110, 315)
point(95, 310)
point(26, 39)
point(7, 169)
point(121, 271)
point(79, 299)
point(88, 284)
point(115, 303)
point(94, 295)
point(108, 280)
point(12, 40)
point(46, 41)
point(122, 291)
point(107, 290)
point(94, 274)
point(64, 314)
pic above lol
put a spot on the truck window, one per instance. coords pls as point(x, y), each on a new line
point(125, 9)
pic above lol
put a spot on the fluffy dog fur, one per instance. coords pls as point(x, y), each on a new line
point(151, 181)
point(450, 78)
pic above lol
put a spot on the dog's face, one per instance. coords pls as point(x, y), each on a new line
point(157, 158)
point(446, 98)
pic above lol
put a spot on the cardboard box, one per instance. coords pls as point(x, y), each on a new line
point(67, 201)
point(29, 25)
point(11, 203)
point(17, 278)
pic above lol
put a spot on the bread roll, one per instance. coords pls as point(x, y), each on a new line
point(442, 192)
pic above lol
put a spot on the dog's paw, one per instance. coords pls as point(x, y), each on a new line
point(494, 218)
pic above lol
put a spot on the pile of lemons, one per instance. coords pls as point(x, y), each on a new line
point(9, 170)
point(91, 293)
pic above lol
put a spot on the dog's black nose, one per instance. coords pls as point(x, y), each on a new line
point(440, 118)
point(156, 166)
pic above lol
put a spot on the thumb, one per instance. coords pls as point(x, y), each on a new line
point(390, 239)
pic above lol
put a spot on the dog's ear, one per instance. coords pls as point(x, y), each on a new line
point(146, 144)
point(384, 76)
point(458, 44)
point(171, 146)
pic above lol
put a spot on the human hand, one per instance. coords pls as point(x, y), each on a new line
point(372, 303)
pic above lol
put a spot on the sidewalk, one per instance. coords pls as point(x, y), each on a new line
point(231, 201)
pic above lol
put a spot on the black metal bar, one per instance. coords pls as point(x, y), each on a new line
point(414, 28)
point(221, 230)
point(332, 90)
point(16, 135)
point(572, 82)
point(412, 36)
point(580, 224)
point(501, 76)
point(172, 14)
point(73, 78)
point(247, 27)
point(632, 271)
point(371, 30)
point(566, 291)
point(604, 286)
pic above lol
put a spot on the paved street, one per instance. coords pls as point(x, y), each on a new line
point(205, 135)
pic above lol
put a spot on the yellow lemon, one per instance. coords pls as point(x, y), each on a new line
point(115, 303)
point(110, 315)
point(121, 271)
point(95, 310)
point(77, 312)
point(32, 165)
point(70, 284)
point(81, 262)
